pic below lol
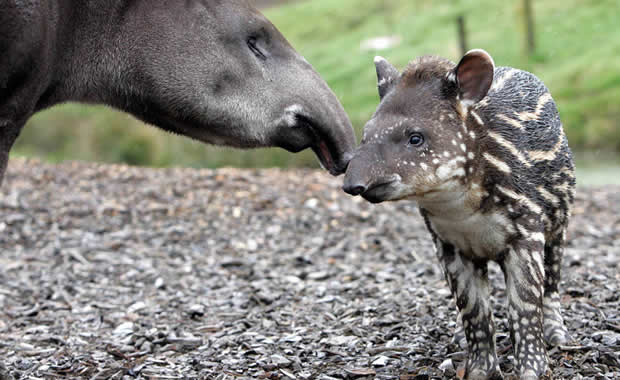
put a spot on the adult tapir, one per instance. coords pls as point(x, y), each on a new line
point(214, 70)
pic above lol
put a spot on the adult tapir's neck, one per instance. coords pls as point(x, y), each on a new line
point(89, 41)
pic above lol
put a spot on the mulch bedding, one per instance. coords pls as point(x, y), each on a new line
point(116, 272)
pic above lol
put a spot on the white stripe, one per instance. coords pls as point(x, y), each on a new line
point(541, 155)
point(478, 119)
point(501, 81)
point(501, 165)
point(548, 196)
point(511, 148)
point(544, 99)
point(521, 199)
point(510, 121)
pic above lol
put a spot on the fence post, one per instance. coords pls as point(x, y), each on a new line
point(529, 26)
point(462, 34)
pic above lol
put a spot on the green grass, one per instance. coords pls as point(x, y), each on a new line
point(578, 57)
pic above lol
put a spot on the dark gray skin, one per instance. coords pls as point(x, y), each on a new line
point(213, 70)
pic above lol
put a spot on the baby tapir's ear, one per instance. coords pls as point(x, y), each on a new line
point(386, 76)
point(474, 75)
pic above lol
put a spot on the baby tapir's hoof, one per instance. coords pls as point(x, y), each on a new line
point(557, 335)
point(459, 338)
point(531, 375)
point(479, 374)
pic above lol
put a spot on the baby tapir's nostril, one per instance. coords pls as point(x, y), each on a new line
point(354, 189)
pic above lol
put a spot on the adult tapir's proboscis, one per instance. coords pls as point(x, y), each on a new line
point(214, 70)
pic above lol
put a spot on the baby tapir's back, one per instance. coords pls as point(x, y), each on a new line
point(524, 131)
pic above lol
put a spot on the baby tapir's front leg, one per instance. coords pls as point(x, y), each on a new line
point(524, 273)
point(469, 283)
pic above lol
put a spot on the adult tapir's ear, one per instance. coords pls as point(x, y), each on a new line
point(386, 75)
point(474, 75)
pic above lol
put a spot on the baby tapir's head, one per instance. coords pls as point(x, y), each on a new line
point(420, 141)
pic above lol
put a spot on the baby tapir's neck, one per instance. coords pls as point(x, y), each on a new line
point(469, 221)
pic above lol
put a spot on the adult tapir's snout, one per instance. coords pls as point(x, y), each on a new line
point(312, 117)
point(308, 114)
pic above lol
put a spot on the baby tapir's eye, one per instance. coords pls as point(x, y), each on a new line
point(416, 139)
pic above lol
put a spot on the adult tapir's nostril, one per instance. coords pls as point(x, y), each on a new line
point(354, 189)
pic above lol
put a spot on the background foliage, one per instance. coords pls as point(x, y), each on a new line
point(577, 56)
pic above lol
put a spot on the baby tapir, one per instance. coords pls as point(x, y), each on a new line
point(482, 151)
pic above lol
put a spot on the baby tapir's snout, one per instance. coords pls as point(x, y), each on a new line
point(367, 175)
point(358, 178)
point(354, 185)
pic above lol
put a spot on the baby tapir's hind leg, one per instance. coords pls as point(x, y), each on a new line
point(523, 271)
point(469, 283)
point(555, 332)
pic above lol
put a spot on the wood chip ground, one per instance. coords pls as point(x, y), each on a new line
point(116, 272)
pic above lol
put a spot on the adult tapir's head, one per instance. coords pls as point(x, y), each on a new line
point(220, 72)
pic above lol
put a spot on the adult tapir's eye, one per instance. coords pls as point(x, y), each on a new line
point(253, 45)
point(416, 139)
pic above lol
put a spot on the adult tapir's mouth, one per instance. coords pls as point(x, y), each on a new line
point(325, 157)
point(329, 135)
point(324, 146)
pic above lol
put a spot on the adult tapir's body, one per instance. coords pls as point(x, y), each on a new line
point(213, 70)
